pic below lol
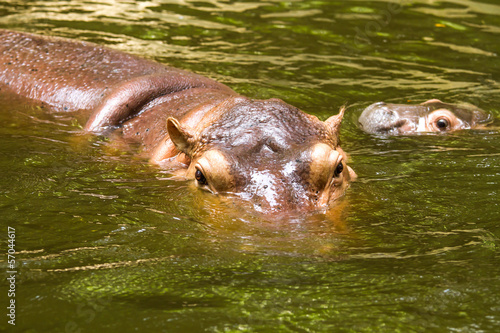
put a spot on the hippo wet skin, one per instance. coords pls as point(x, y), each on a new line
point(266, 152)
point(430, 116)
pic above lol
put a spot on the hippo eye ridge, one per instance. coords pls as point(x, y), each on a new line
point(442, 124)
point(200, 177)
point(338, 170)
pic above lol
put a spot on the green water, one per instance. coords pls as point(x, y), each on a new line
point(107, 243)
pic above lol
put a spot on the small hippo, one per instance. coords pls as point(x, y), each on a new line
point(266, 152)
point(430, 116)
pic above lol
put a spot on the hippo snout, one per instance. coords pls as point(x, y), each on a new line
point(380, 118)
point(271, 193)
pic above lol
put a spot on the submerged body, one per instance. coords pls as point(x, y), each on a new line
point(430, 116)
point(264, 151)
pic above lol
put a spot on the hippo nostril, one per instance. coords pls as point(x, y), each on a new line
point(389, 127)
point(400, 123)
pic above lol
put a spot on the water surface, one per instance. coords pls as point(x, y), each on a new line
point(107, 243)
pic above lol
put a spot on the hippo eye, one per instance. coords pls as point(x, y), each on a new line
point(443, 120)
point(338, 170)
point(200, 177)
point(442, 124)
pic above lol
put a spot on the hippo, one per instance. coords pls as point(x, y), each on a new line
point(430, 116)
point(268, 153)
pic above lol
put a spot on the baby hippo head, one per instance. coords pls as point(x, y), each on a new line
point(430, 116)
point(268, 153)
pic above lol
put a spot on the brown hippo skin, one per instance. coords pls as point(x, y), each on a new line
point(430, 116)
point(266, 152)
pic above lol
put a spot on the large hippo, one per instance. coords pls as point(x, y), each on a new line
point(266, 152)
point(430, 116)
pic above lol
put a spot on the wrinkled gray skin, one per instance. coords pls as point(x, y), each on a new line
point(431, 116)
point(266, 152)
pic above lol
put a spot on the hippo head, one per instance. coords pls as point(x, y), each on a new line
point(268, 153)
point(430, 116)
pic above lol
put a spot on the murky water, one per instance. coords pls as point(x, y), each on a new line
point(107, 243)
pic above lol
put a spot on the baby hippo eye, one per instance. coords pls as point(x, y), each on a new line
point(442, 120)
point(442, 124)
point(200, 177)
point(338, 170)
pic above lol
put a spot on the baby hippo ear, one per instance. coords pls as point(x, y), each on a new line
point(333, 123)
point(181, 137)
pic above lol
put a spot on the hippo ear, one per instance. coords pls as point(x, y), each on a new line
point(434, 100)
point(333, 123)
point(180, 136)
